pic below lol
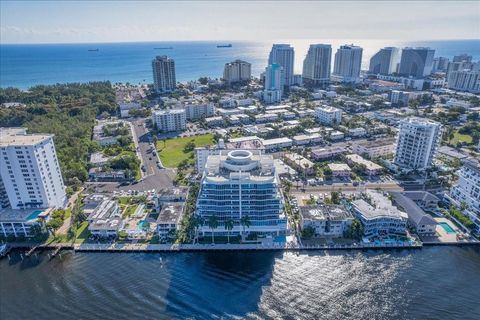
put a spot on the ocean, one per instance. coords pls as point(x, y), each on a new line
point(24, 66)
point(429, 283)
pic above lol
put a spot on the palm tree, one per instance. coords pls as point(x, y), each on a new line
point(228, 224)
point(245, 222)
point(213, 224)
point(196, 223)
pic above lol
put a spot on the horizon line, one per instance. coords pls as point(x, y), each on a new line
point(214, 40)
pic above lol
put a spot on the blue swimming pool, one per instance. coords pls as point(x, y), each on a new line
point(34, 214)
point(143, 225)
point(447, 227)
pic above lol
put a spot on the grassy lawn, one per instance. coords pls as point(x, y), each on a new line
point(172, 153)
point(82, 233)
point(458, 137)
point(129, 210)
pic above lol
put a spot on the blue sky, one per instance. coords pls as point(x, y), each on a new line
point(110, 21)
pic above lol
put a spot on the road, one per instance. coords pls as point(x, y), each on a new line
point(346, 188)
point(154, 177)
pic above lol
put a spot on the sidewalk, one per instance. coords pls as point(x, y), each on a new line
point(67, 222)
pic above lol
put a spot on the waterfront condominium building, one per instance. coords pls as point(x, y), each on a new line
point(417, 143)
point(164, 79)
point(283, 55)
point(416, 62)
point(196, 111)
point(328, 115)
point(379, 216)
point(170, 120)
point(467, 190)
point(237, 184)
point(464, 80)
point(347, 64)
point(317, 64)
point(30, 174)
point(273, 90)
point(237, 71)
point(385, 61)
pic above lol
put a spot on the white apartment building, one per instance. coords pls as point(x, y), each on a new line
point(348, 61)
point(29, 171)
point(164, 79)
point(328, 115)
point(284, 56)
point(317, 64)
point(467, 190)
point(170, 120)
point(194, 111)
point(464, 80)
point(237, 184)
point(237, 71)
point(417, 143)
point(105, 220)
point(169, 219)
point(379, 216)
point(277, 143)
point(330, 221)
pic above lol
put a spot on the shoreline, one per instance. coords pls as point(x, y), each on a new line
point(163, 248)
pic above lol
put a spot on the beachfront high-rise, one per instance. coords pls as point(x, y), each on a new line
point(416, 62)
point(283, 55)
point(317, 64)
point(273, 89)
point(237, 71)
point(417, 143)
point(164, 79)
point(385, 61)
point(348, 61)
point(237, 184)
point(30, 174)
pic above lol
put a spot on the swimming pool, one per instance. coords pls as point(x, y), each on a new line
point(34, 214)
point(447, 227)
point(143, 225)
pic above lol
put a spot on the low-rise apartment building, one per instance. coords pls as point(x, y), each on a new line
point(105, 221)
point(332, 221)
point(327, 153)
point(299, 163)
point(375, 148)
point(379, 216)
point(340, 169)
point(371, 168)
point(169, 219)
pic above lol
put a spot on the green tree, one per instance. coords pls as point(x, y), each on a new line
point(355, 230)
point(213, 224)
point(228, 224)
point(54, 224)
point(335, 197)
point(246, 223)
